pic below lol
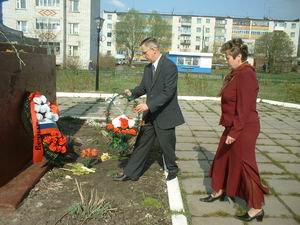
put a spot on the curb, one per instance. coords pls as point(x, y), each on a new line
point(191, 98)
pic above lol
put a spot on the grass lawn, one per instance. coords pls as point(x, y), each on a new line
point(278, 87)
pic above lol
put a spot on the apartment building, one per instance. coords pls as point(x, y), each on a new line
point(65, 27)
point(196, 33)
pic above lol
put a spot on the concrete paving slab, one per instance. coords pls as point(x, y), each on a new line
point(184, 133)
point(295, 150)
point(209, 134)
point(284, 186)
point(287, 143)
point(276, 221)
point(209, 147)
point(190, 155)
point(197, 185)
point(185, 146)
point(260, 158)
point(193, 166)
point(182, 139)
point(293, 202)
point(269, 168)
point(292, 167)
point(284, 157)
point(271, 148)
point(198, 208)
point(265, 141)
point(274, 208)
point(280, 136)
point(216, 220)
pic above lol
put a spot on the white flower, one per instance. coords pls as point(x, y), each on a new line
point(43, 99)
point(39, 116)
point(44, 108)
point(55, 117)
point(37, 100)
point(131, 123)
point(37, 108)
point(116, 122)
point(48, 115)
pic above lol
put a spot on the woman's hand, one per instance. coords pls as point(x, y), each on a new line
point(229, 140)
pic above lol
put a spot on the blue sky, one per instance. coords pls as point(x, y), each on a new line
point(277, 9)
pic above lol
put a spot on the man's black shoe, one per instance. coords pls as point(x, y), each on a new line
point(171, 176)
point(124, 178)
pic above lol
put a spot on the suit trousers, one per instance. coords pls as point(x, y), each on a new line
point(144, 143)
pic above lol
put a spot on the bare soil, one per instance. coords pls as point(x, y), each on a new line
point(143, 202)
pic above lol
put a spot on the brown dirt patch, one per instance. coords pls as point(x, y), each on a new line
point(51, 198)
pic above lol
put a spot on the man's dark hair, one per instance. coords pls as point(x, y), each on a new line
point(150, 42)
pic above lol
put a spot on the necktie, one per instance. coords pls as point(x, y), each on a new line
point(153, 70)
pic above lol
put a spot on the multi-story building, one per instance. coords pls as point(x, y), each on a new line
point(66, 28)
point(192, 33)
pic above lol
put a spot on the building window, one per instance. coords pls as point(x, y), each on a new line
point(198, 29)
point(206, 38)
point(109, 26)
point(293, 25)
point(109, 34)
point(108, 52)
point(198, 38)
point(292, 34)
point(74, 28)
point(207, 20)
point(21, 4)
point(73, 50)
point(108, 44)
point(180, 60)
point(22, 26)
point(207, 30)
point(74, 5)
point(198, 20)
point(53, 48)
point(197, 47)
point(54, 3)
point(109, 16)
point(48, 24)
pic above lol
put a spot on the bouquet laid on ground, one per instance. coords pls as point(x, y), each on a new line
point(122, 129)
point(90, 157)
point(40, 117)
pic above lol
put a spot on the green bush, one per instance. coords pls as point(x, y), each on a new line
point(107, 62)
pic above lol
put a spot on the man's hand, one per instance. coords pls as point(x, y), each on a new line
point(142, 107)
point(229, 140)
point(127, 92)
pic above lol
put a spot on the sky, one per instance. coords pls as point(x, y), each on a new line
point(276, 9)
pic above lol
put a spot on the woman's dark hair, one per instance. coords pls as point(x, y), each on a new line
point(234, 47)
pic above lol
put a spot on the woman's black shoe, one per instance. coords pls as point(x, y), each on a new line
point(210, 198)
point(259, 217)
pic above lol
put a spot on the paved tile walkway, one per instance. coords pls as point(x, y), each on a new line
point(278, 156)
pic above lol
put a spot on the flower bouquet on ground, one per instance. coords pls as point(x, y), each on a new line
point(122, 124)
point(39, 118)
point(90, 157)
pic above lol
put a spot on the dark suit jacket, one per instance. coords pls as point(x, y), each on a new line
point(161, 94)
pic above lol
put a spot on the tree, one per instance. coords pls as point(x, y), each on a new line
point(277, 49)
point(130, 31)
point(160, 29)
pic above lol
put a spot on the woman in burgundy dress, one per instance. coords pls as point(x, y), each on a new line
point(234, 171)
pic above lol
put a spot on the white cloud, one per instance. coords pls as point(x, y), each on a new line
point(117, 3)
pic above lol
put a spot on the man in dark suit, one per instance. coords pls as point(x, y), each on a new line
point(161, 112)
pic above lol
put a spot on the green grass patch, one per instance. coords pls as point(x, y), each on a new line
point(151, 202)
point(279, 87)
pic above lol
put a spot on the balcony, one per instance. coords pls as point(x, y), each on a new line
point(185, 42)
